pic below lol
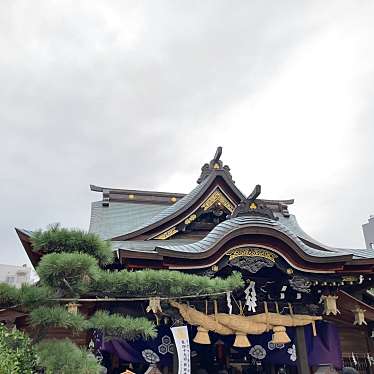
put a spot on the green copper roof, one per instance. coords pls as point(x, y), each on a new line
point(120, 217)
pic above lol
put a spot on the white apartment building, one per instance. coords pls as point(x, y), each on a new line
point(368, 229)
point(15, 275)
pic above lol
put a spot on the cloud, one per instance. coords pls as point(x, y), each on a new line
point(138, 95)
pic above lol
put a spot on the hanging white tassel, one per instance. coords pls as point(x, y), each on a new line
point(354, 359)
point(369, 359)
point(228, 298)
point(251, 297)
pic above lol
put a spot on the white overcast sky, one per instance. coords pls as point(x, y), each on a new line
point(138, 94)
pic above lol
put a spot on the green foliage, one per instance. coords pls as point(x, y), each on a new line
point(57, 316)
point(57, 239)
point(28, 295)
point(17, 355)
point(69, 273)
point(74, 274)
point(64, 357)
point(9, 295)
point(161, 283)
point(115, 325)
point(32, 296)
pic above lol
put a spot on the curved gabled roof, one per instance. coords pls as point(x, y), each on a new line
point(179, 205)
point(293, 225)
point(226, 227)
point(183, 204)
point(120, 217)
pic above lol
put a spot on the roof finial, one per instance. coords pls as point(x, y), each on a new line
point(253, 207)
point(215, 164)
point(218, 154)
point(255, 193)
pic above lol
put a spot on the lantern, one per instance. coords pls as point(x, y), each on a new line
point(329, 303)
point(359, 317)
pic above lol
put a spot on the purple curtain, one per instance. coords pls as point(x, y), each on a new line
point(322, 349)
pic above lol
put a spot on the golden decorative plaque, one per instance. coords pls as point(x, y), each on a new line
point(190, 219)
point(251, 252)
point(167, 234)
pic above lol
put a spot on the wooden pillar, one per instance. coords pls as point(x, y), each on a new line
point(175, 361)
point(301, 352)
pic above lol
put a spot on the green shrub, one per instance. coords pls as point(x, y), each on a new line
point(161, 283)
point(32, 296)
point(129, 328)
point(9, 295)
point(64, 357)
point(17, 355)
point(68, 273)
point(57, 239)
point(57, 316)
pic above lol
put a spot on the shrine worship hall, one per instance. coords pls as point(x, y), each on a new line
point(305, 307)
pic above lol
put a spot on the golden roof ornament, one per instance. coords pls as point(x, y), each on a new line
point(250, 206)
point(215, 165)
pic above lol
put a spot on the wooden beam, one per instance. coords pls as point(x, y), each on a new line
point(301, 352)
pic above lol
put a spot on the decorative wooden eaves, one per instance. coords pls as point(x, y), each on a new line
point(251, 235)
point(26, 243)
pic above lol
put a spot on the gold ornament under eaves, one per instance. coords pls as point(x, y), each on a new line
point(190, 219)
point(251, 252)
point(167, 234)
point(218, 197)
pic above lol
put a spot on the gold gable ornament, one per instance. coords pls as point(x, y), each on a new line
point(218, 197)
point(359, 317)
point(329, 304)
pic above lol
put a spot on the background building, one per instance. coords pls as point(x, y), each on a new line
point(368, 229)
point(15, 275)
